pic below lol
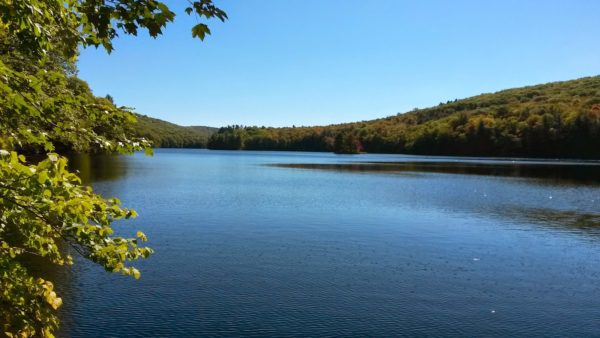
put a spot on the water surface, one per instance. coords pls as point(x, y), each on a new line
point(317, 244)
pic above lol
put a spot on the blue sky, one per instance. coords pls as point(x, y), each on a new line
point(316, 62)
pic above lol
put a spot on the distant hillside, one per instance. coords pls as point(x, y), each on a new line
point(164, 134)
point(559, 119)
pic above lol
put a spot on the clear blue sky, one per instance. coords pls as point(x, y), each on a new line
point(315, 62)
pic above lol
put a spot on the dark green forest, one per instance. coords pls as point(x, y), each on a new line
point(164, 134)
point(559, 119)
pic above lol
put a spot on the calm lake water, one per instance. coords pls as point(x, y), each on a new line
point(317, 244)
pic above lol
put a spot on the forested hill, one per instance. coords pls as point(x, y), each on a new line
point(559, 119)
point(164, 134)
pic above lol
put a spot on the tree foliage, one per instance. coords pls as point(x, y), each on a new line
point(560, 119)
point(164, 134)
point(45, 108)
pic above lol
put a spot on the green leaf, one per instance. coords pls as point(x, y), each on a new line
point(43, 177)
point(136, 273)
point(200, 31)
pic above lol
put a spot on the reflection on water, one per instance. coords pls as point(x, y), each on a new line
point(582, 173)
point(573, 221)
point(99, 167)
point(257, 244)
point(565, 174)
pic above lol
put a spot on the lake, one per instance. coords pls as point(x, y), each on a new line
point(317, 244)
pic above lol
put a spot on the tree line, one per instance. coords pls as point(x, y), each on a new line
point(559, 119)
point(164, 134)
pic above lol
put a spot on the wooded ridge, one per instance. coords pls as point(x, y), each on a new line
point(558, 119)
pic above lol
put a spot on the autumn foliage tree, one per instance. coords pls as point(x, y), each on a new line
point(559, 119)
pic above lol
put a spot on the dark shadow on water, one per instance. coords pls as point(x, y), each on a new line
point(555, 173)
point(570, 221)
point(579, 222)
point(98, 167)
